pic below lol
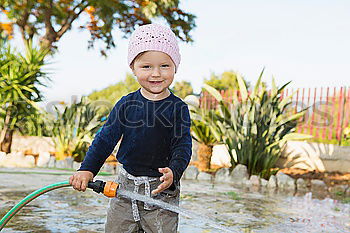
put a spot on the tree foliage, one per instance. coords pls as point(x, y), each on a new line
point(182, 89)
point(113, 93)
point(51, 19)
point(225, 81)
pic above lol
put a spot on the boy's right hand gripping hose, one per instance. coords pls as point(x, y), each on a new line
point(109, 189)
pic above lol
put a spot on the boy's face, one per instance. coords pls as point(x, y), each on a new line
point(154, 71)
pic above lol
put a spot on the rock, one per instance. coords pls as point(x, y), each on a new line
point(204, 176)
point(340, 188)
point(255, 180)
point(191, 173)
point(194, 156)
point(220, 156)
point(301, 184)
point(272, 183)
point(69, 162)
point(65, 163)
point(16, 154)
point(239, 175)
point(2, 155)
point(223, 175)
point(2, 158)
point(246, 182)
point(76, 165)
point(29, 161)
point(284, 181)
point(263, 182)
point(17, 159)
point(34, 144)
point(52, 162)
point(60, 163)
point(43, 159)
point(318, 184)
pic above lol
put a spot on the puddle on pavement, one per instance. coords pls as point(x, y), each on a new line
point(242, 210)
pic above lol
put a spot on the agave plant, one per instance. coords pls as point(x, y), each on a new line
point(74, 129)
point(347, 133)
point(36, 124)
point(254, 126)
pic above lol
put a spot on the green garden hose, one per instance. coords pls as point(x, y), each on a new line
point(28, 199)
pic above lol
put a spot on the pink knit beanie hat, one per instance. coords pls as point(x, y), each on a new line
point(154, 37)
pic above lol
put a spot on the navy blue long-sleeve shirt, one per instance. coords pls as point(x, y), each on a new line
point(154, 134)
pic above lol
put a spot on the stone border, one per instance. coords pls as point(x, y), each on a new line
point(239, 176)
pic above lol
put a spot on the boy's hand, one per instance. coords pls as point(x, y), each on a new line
point(80, 179)
point(167, 180)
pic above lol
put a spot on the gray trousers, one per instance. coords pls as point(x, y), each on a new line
point(121, 214)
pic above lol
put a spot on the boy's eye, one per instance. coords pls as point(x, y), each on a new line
point(165, 65)
point(146, 67)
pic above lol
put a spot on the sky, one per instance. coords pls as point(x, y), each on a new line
point(306, 42)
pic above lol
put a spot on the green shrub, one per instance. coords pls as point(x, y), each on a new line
point(74, 129)
point(21, 76)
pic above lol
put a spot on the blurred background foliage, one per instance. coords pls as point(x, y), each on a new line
point(48, 21)
point(114, 92)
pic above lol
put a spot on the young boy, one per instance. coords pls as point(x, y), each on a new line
point(156, 143)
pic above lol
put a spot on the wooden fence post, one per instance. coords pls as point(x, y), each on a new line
point(330, 135)
point(326, 123)
point(342, 110)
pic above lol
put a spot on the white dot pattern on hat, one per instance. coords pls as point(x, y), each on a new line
point(154, 37)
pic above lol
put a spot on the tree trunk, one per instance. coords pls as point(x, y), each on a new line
point(204, 157)
point(5, 145)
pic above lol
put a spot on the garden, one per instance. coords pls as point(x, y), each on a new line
point(265, 158)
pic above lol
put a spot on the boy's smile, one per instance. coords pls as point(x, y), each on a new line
point(155, 72)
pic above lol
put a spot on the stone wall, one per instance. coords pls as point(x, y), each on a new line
point(239, 177)
point(34, 144)
point(315, 156)
point(297, 154)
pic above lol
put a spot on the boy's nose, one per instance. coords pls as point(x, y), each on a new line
point(156, 72)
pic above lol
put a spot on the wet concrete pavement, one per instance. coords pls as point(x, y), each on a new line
point(242, 210)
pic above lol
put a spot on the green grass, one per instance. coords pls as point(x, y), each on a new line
point(233, 195)
point(339, 193)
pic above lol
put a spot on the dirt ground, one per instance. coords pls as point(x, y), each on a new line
point(330, 178)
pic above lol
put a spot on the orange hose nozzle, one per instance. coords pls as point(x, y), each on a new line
point(110, 189)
